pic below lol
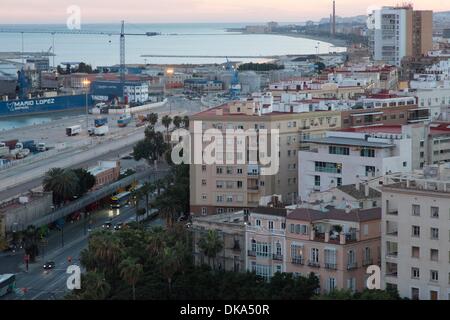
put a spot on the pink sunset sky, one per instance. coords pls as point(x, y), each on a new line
point(160, 11)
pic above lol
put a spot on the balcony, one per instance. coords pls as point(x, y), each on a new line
point(352, 265)
point(393, 212)
point(253, 189)
point(393, 254)
point(313, 264)
point(331, 266)
point(278, 257)
point(251, 253)
point(297, 260)
point(393, 233)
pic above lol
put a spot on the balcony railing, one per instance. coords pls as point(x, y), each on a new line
point(332, 266)
point(392, 273)
point(392, 233)
point(278, 257)
point(352, 265)
point(393, 212)
point(297, 260)
point(251, 253)
point(393, 254)
point(313, 264)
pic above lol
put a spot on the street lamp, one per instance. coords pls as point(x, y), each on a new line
point(86, 84)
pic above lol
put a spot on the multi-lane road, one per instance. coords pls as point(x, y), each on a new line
point(52, 284)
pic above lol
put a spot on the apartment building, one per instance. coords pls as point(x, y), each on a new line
point(398, 32)
point(342, 158)
point(218, 188)
point(415, 231)
point(337, 245)
point(430, 142)
point(265, 239)
point(231, 230)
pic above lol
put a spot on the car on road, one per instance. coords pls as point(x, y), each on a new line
point(49, 265)
point(119, 226)
point(107, 225)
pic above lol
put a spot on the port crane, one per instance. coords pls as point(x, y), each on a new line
point(121, 34)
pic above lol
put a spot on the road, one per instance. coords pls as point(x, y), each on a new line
point(51, 285)
point(17, 180)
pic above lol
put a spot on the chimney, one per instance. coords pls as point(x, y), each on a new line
point(366, 190)
point(357, 185)
point(334, 17)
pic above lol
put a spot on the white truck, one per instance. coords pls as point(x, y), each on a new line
point(73, 131)
point(101, 131)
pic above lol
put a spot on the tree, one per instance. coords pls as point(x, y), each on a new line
point(94, 286)
point(177, 120)
point(151, 148)
point(166, 122)
point(147, 188)
point(152, 118)
point(211, 245)
point(131, 271)
point(86, 181)
point(186, 122)
point(62, 183)
point(170, 264)
point(31, 243)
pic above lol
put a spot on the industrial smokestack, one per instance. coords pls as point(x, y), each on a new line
point(334, 17)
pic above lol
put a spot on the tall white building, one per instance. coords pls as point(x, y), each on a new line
point(396, 32)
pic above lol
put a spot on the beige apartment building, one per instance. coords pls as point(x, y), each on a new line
point(231, 230)
point(336, 245)
point(415, 234)
point(218, 188)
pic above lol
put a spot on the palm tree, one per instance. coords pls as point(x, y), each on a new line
point(166, 121)
point(147, 188)
point(152, 118)
point(137, 195)
point(62, 182)
point(186, 122)
point(211, 245)
point(156, 242)
point(131, 271)
point(170, 264)
point(106, 249)
point(177, 120)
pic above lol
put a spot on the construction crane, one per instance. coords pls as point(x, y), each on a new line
point(122, 35)
point(235, 86)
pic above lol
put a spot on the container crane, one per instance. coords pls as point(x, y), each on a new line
point(122, 35)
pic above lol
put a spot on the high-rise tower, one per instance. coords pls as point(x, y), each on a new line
point(334, 17)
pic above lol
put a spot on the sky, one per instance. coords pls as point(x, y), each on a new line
point(166, 11)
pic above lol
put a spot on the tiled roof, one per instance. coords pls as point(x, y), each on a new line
point(270, 211)
point(359, 194)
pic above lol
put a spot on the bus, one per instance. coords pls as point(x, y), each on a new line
point(7, 283)
point(73, 130)
point(120, 199)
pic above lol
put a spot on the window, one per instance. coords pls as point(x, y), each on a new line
point(270, 225)
point(416, 210)
point(339, 182)
point(258, 222)
point(434, 212)
point(339, 150)
point(204, 196)
point(229, 198)
point(367, 153)
point(434, 233)
point(415, 273)
point(219, 170)
point(317, 181)
point(229, 170)
point(351, 284)
point(366, 229)
point(330, 258)
point(434, 275)
point(239, 171)
point(203, 168)
point(314, 255)
point(415, 252)
point(370, 171)
point(415, 231)
point(414, 293)
point(239, 184)
point(329, 167)
point(351, 259)
point(203, 182)
point(292, 228)
point(434, 254)
point(331, 284)
point(219, 184)
point(219, 198)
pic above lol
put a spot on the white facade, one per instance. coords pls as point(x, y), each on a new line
point(388, 34)
point(136, 93)
point(437, 100)
point(348, 158)
point(415, 237)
